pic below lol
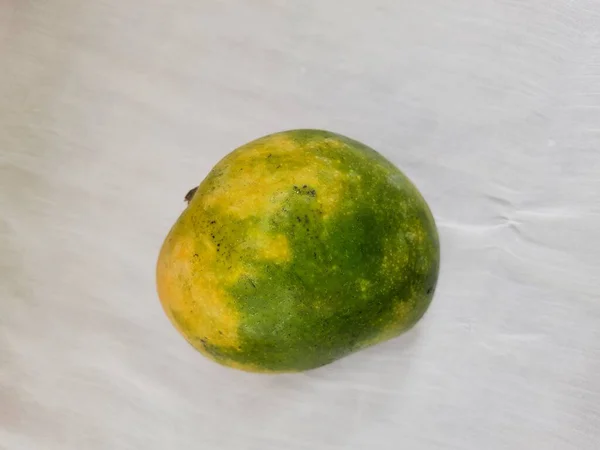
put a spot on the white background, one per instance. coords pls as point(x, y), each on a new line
point(110, 110)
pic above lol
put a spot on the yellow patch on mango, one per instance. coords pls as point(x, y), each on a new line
point(275, 248)
point(192, 292)
point(252, 186)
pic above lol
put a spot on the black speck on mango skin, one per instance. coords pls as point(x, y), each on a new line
point(323, 247)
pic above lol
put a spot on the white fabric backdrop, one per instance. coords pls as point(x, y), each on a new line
point(111, 110)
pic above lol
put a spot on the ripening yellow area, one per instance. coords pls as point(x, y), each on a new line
point(193, 294)
point(273, 248)
point(254, 183)
point(192, 283)
point(192, 287)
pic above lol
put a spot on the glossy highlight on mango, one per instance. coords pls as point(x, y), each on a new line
point(297, 249)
